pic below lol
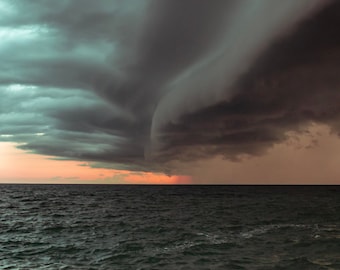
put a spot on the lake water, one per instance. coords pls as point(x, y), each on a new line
point(169, 227)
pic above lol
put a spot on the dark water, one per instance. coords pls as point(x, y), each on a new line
point(169, 227)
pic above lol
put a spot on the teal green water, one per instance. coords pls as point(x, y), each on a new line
point(169, 227)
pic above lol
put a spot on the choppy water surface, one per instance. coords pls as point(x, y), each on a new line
point(169, 227)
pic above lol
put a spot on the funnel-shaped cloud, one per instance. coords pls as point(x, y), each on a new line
point(140, 83)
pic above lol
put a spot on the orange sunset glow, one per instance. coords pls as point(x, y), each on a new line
point(172, 134)
point(19, 166)
point(128, 92)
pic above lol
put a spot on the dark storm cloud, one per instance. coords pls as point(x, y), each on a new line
point(295, 82)
point(115, 81)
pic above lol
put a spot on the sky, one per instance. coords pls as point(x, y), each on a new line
point(170, 91)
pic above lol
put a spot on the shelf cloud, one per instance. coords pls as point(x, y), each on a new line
point(139, 84)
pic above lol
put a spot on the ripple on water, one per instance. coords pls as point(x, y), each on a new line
point(110, 227)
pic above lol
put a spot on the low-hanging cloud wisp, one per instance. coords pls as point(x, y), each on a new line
point(137, 84)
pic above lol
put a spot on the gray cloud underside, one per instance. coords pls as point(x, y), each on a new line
point(139, 83)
